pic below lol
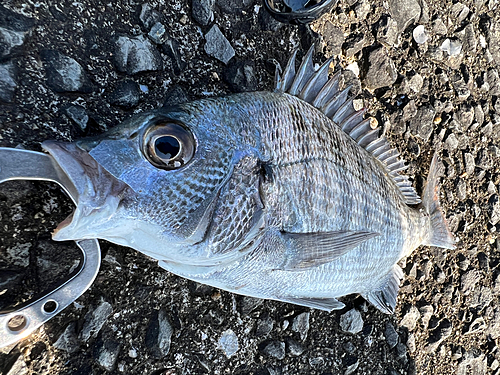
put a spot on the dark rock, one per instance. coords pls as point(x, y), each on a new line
point(381, 71)
point(391, 336)
point(240, 76)
point(158, 34)
point(19, 367)
point(440, 333)
point(334, 38)
point(301, 325)
point(94, 320)
point(64, 74)
point(106, 352)
point(404, 12)
point(148, 16)
point(68, 340)
point(175, 95)
point(275, 349)
point(353, 44)
point(422, 124)
point(78, 115)
point(267, 22)
point(234, 6)
point(294, 347)
point(228, 342)
point(248, 304)
point(351, 321)
point(159, 334)
point(218, 46)
point(13, 28)
point(136, 54)
point(350, 364)
point(171, 49)
point(203, 11)
point(126, 94)
point(8, 82)
point(387, 31)
point(264, 326)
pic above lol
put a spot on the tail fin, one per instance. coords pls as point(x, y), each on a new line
point(439, 235)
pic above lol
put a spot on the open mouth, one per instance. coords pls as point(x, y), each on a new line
point(99, 193)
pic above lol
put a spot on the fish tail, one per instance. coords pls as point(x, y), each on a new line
point(439, 233)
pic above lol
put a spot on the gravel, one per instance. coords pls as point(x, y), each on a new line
point(60, 70)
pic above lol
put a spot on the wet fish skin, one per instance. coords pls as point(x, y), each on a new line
point(278, 201)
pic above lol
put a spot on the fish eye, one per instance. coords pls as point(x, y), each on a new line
point(168, 146)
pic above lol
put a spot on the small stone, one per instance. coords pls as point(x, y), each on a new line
point(13, 28)
point(275, 349)
point(171, 48)
point(175, 95)
point(469, 40)
point(494, 209)
point(158, 34)
point(468, 281)
point(94, 320)
point(416, 82)
point(470, 163)
point(228, 343)
point(106, 352)
point(264, 326)
point(218, 46)
point(351, 321)
point(148, 16)
point(459, 11)
point(420, 34)
point(334, 38)
point(159, 334)
point(452, 47)
point(19, 367)
point(64, 74)
point(410, 319)
point(203, 11)
point(78, 115)
point(381, 72)
point(301, 325)
point(438, 27)
point(493, 82)
point(136, 54)
point(240, 76)
point(234, 6)
point(350, 363)
point(387, 32)
point(426, 312)
point(439, 334)
point(422, 124)
point(353, 44)
point(494, 40)
point(8, 82)
point(126, 94)
point(362, 9)
point(451, 142)
point(473, 363)
point(391, 336)
point(404, 12)
point(68, 341)
point(267, 22)
point(295, 348)
point(248, 304)
point(411, 343)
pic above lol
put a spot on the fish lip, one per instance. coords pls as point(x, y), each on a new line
point(98, 191)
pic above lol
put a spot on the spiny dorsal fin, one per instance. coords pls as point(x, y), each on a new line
point(314, 87)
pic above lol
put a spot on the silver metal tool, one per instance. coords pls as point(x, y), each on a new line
point(18, 164)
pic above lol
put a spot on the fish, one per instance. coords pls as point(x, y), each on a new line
point(287, 195)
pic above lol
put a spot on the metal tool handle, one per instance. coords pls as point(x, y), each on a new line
point(18, 164)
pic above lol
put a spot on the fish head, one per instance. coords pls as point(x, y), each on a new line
point(149, 183)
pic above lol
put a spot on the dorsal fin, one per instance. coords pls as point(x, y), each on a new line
point(314, 87)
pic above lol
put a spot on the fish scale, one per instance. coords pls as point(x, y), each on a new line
point(289, 195)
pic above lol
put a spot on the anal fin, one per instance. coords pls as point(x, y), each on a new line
point(384, 295)
point(326, 304)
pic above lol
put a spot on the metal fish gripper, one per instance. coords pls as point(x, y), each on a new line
point(19, 164)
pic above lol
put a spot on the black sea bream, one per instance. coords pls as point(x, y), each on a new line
point(287, 195)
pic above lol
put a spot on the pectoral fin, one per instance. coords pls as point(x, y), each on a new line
point(305, 250)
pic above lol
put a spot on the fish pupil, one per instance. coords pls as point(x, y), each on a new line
point(167, 147)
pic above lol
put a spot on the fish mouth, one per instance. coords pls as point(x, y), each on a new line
point(99, 193)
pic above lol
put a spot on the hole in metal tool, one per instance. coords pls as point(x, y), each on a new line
point(50, 307)
point(17, 323)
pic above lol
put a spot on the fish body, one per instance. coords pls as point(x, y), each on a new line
point(286, 195)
